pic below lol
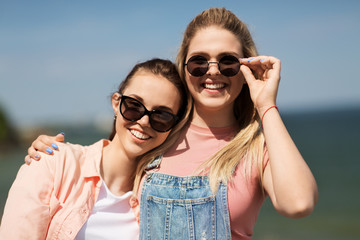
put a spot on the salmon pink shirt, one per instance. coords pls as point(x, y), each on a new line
point(54, 197)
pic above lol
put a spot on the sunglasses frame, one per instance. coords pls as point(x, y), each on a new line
point(208, 65)
point(146, 112)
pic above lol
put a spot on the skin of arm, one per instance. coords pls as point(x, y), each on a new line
point(287, 178)
point(27, 212)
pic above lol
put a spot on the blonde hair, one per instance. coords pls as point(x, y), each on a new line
point(248, 144)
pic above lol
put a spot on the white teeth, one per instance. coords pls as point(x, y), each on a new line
point(139, 134)
point(214, 85)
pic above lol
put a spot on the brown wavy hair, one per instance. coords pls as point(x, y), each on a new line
point(168, 70)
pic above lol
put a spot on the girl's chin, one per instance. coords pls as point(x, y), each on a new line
point(212, 104)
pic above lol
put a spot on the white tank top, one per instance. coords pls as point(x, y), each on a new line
point(111, 218)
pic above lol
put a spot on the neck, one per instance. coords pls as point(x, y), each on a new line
point(117, 169)
point(215, 118)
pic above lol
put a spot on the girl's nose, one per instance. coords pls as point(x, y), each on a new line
point(144, 121)
point(213, 68)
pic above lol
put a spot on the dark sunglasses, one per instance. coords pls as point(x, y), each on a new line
point(228, 65)
point(133, 110)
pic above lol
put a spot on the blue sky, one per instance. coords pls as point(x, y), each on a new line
point(61, 60)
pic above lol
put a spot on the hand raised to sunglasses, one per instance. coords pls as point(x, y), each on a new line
point(265, 83)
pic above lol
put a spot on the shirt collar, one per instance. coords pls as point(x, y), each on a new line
point(93, 158)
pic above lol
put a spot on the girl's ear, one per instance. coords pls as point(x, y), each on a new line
point(115, 101)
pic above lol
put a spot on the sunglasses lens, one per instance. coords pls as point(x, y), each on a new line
point(197, 66)
point(131, 109)
point(229, 65)
point(162, 121)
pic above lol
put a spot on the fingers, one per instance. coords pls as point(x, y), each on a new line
point(252, 63)
point(262, 74)
point(45, 144)
point(264, 67)
point(32, 155)
point(261, 63)
point(27, 160)
point(270, 62)
point(248, 74)
point(60, 137)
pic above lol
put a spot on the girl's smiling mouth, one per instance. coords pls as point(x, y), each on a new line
point(139, 135)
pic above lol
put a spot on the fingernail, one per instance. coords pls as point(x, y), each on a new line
point(54, 146)
point(36, 156)
point(250, 59)
point(262, 60)
point(62, 133)
point(49, 150)
point(27, 161)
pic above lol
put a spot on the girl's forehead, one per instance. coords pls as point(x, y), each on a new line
point(146, 81)
point(214, 38)
point(153, 91)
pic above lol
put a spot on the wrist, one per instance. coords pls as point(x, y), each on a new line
point(261, 110)
point(266, 110)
